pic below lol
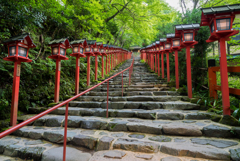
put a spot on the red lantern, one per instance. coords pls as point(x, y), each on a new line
point(220, 21)
point(176, 41)
point(187, 34)
point(77, 48)
point(18, 48)
point(162, 50)
point(88, 51)
point(58, 48)
point(96, 51)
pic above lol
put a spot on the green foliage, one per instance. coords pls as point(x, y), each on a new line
point(236, 112)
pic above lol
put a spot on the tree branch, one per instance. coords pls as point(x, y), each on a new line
point(109, 18)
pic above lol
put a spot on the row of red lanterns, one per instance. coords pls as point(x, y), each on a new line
point(220, 21)
point(18, 49)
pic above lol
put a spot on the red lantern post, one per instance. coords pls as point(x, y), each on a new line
point(103, 49)
point(59, 48)
point(89, 45)
point(18, 48)
point(96, 51)
point(77, 52)
point(220, 21)
point(168, 45)
point(187, 33)
point(162, 50)
point(175, 47)
point(157, 49)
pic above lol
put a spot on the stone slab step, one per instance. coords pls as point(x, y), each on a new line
point(160, 127)
point(12, 148)
point(132, 98)
point(133, 93)
point(131, 86)
point(207, 148)
point(147, 105)
point(131, 89)
point(139, 113)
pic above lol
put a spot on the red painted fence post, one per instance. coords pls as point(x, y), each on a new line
point(65, 133)
point(212, 83)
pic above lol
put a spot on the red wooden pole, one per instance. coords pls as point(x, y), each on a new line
point(152, 62)
point(189, 75)
point(15, 93)
point(88, 70)
point(224, 77)
point(109, 66)
point(106, 65)
point(162, 65)
point(111, 61)
point(96, 66)
point(155, 63)
point(212, 79)
point(65, 133)
point(107, 98)
point(168, 68)
point(176, 69)
point(102, 66)
point(77, 75)
point(158, 66)
point(57, 80)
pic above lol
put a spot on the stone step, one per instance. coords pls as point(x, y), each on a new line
point(131, 86)
point(147, 105)
point(205, 148)
point(28, 149)
point(140, 113)
point(132, 93)
point(192, 127)
point(131, 89)
point(133, 98)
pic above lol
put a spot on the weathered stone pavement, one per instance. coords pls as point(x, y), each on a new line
point(147, 123)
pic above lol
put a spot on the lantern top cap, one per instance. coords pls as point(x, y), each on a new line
point(163, 40)
point(81, 41)
point(57, 41)
point(60, 41)
point(221, 9)
point(172, 35)
point(20, 38)
point(99, 43)
point(91, 42)
point(187, 26)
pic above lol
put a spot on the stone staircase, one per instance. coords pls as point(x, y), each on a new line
point(147, 123)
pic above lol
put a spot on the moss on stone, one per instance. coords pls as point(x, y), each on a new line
point(216, 117)
point(172, 84)
point(182, 91)
point(172, 89)
point(52, 104)
point(229, 120)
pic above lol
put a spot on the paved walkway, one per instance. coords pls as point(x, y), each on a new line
point(147, 123)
